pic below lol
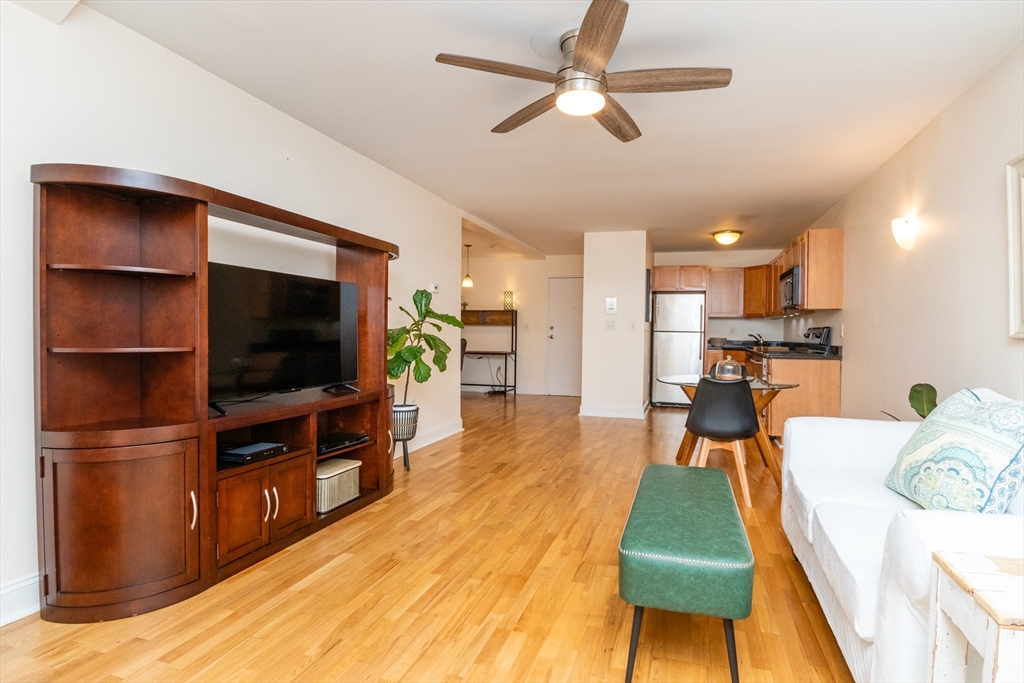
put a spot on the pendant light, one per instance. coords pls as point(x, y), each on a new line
point(467, 281)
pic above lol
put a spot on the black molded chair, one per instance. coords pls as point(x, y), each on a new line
point(462, 360)
point(723, 415)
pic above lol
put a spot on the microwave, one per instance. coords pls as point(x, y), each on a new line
point(789, 288)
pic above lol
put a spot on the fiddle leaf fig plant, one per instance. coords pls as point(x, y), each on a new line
point(408, 345)
point(923, 398)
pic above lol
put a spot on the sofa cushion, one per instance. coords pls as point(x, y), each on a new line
point(848, 541)
point(838, 460)
point(965, 456)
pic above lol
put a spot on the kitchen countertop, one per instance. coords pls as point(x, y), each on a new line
point(801, 350)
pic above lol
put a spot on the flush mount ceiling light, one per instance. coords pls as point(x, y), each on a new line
point(726, 237)
point(904, 230)
point(467, 281)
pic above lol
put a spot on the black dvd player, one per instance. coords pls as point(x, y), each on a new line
point(337, 440)
point(252, 452)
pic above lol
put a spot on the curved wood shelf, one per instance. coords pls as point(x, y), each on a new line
point(121, 349)
point(131, 271)
point(128, 183)
point(114, 433)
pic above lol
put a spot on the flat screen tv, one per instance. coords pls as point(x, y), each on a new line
point(272, 332)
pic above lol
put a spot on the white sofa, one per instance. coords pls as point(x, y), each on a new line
point(866, 549)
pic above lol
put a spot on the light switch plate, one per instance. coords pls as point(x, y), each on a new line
point(611, 305)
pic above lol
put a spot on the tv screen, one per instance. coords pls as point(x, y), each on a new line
point(273, 332)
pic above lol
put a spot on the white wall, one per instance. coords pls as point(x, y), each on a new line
point(938, 313)
point(91, 91)
point(732, 328)
point(614, 265)
point(528, 279)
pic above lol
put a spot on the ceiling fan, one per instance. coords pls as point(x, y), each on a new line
point(581, 84)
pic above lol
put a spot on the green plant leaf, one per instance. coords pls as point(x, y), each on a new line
point(441, 360)
point(397, 343)
point(434, 325)
point(420, 371)
point(395, 332)
point(445, 318)
point(435, 343)
point(397, 366)
point(412, 353)
point(421, 299)
point(402, 309)
point(923, 399)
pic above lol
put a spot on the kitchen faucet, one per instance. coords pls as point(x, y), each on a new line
point(758, 338)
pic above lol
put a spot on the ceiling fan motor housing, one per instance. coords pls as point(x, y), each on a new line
point(570, 79)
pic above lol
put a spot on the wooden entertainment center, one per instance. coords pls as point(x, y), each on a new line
point(133, 513)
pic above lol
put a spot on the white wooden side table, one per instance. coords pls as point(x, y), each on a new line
point(977, 629)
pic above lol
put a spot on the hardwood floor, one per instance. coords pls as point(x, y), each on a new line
point(495, 559)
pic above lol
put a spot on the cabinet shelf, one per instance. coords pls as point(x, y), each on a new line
point(129, 271)
point(121, 349)
point(345, 449)
point(230, 470)
point(345, 509)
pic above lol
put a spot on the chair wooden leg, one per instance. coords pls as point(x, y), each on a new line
point(741, 468)
point(702, 454)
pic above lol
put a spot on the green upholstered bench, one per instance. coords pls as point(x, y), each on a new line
point(684, 549)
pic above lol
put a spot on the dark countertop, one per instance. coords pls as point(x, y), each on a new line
point(801, 350)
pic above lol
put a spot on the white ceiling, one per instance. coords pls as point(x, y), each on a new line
point(822, 94)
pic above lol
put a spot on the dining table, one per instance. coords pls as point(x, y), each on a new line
point(764, 392)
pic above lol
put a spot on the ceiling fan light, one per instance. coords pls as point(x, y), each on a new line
point(726, 237)
point(580, 102)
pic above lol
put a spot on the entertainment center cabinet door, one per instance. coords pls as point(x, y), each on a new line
point(291, 491)
point(120, 524)
point(243, 514)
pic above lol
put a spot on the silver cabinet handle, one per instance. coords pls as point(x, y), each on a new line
point(277, 503)
point(267, 516)
point(391, 441)
point(195, 510)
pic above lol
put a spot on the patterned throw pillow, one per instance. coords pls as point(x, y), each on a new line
point(965, 456)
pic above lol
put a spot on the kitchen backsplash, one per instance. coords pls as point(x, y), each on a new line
point(739, 328)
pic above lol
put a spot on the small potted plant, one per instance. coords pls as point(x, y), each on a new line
point(407, 355)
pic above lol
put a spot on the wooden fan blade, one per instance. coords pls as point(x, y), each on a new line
point(526, 114)
point(497, 67)
point(616, 121)
point(668, 80)
point(598, 36)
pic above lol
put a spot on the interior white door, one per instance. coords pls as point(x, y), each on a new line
point(565, 336)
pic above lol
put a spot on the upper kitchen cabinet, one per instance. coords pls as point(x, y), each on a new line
point(679, 279)
point(725, 293)
point(755, 291)
point(822, 277)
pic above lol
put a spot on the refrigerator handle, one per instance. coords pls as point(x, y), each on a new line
point(700, 348)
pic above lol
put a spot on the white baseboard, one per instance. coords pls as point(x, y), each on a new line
point(19, 599)
point(632, 413)
point(429, 436)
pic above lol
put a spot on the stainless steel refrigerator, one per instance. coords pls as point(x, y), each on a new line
point(678, 343)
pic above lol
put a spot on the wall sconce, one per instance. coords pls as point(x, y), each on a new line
point(904, 230)
point(508, 300)
point(726, 237)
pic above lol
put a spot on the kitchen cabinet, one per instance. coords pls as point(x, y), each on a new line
point(773, 273)
point(679, 279)
point(755, 292)
point(693, 278)
point(262, 504)
point(818, 394)
point(725, 292)
point(822, 277)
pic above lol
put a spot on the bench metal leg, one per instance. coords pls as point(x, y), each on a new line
point(730, 645)
point(638, 617)
point(405, 454)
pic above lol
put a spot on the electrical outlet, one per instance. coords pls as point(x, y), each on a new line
point(609, 325)
point(732, 330)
